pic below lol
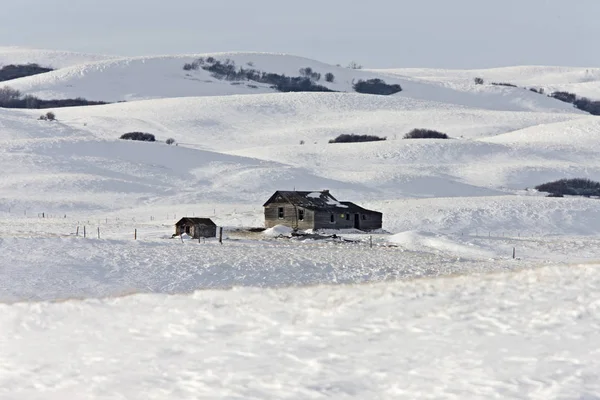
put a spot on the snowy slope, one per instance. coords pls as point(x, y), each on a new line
point(239, 149)
point(46, 58)
point(584, 82)
point(128, 79)
point(234, 150)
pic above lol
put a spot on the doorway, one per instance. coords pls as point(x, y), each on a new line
point(356, 221)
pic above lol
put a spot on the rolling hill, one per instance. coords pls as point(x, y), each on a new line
point(236, 143)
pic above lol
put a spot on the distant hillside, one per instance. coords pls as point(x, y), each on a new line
point(50, 58)
point(585, 82)
point(139, 78)
point(236, 137)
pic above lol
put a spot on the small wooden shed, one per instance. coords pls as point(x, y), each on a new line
point(196, 227)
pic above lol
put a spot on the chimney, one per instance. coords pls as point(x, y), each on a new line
point(325, 192)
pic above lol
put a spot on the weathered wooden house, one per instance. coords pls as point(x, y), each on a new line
point(317, 210)
point(196, 227)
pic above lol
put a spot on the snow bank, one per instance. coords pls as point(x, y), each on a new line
point(427, 241)
point(278, 230)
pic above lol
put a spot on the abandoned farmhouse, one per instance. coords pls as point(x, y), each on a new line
point(317, 210)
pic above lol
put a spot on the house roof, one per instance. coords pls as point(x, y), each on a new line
point(195, 221)
point(316, 200)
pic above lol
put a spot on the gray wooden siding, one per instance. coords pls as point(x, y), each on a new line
point(319, 219)
point(290, 216)
point(371, 221)
point(197, 231)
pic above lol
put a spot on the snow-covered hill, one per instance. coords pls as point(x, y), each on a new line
point(48, 58)
point(138, 78)
point(237, 144)
point(584, 82)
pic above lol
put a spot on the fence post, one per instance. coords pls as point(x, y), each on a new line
point(221, 234)
point(135, 234)
point(371, 241)
point(84, 231)
point(98, 232)
point(77, 233)
point(514, 252)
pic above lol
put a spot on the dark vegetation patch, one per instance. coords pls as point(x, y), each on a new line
point(144, 137)
point(503, 84)
point(227, 70)
point(376, 86)
point(582, 103)
point(305, 82)
point(352, 138)
point(49, 116)
point(425, 134)
point(572, 187)
point(13, 71)
point(564, 96)
point(11, 98)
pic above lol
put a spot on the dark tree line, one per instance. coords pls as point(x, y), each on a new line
point(141, 136)
point(352, 138)
point(376, 86)
point(11, 98)
point(227, 70)
point(425, 134)
point(573, 187)
point(12, 71)
point(582, 103)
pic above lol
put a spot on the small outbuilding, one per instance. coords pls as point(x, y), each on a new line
point(318, 210)
point(196, 227)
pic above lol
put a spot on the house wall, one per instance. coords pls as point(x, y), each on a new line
point(373, 221)
point(319, 219)
point(290, 216)
point(323, 220)
point(204, 231)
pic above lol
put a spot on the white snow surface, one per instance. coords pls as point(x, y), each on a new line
point(432, 306)
point(278, 230)
point(529, 334)
point(46, 58)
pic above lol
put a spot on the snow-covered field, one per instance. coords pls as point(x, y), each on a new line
point(530, 334)
point(437, 307)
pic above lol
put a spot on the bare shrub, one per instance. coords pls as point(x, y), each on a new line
point(425, 134)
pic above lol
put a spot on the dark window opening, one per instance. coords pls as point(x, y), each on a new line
point(347, 217)
point(280, 212)
point(364, 217)
point(301, 215)
point(187, 230)
point(332, 218)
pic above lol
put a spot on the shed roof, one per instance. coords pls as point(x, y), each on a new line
point(195, 221)
point(315, 200)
